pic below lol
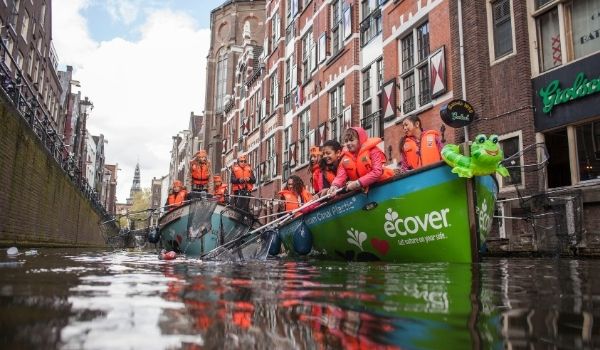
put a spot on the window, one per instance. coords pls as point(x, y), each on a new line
point(271, 165)
point(502, 28)
point(25, 26)
point(221, 82)
point(511, 145)
point(8, 42)
point(19, 60)
point(275, 31)
point(304, 135)
point(366, 83)
point(286, 144)
point(415, 69)
point(371, 24)
point(379, 73)
point(274, 93)
point(30, 62)
point(588, 150)
point(43, 15)
point(337, 27)
point(308, 56)
point(337, 102)
point(287, 103)
point(579, 35)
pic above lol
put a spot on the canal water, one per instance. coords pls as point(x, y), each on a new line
point(81, 299)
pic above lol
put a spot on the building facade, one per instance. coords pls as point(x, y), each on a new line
point(529, 69)
point(28, 53)
point(108, 194)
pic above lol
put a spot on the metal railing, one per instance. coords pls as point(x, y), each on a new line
point(17, 91)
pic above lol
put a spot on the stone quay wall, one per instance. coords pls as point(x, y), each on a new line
point(39, 205)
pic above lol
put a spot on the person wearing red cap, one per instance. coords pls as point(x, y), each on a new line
point(314, 169)
point(200, 171)
point(242, 182)
point(362, 163)
point(177, 195)
point(220, 189)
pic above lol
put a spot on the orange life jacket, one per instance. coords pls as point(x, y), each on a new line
point(200, 173)
point(176, 199)
point(315, 177)
point(360, 165)
point(427, 153)
point(328, 175)
point(220, 193)
point(291, 199)
point(242, 172)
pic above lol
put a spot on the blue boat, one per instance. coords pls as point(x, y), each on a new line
point(201, 225)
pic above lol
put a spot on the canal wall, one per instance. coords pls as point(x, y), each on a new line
point(39, 204)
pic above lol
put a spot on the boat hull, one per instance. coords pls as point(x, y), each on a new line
point(198, 227)
point(420, 217)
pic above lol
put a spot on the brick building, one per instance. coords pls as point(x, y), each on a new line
point(326, 65)
point(28, 53)
point(226, 24)
point(531, 51)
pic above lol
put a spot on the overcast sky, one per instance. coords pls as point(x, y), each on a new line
point(142, 63)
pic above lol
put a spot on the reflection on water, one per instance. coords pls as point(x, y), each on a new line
point(96, 300)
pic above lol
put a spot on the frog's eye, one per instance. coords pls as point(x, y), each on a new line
point(494, 138)
point(480, 138)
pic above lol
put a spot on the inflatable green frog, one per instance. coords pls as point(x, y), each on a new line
point(485, 158)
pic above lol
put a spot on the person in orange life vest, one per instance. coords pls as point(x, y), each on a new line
point(314, 169)
point(177, 195)
point(242, 181)
point(418, 148)
point(200, 171)
point(362, 163)
point(332, 153)
point(220, 189)
point(294, 194)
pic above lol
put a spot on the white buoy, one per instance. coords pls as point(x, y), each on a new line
point(12, 251)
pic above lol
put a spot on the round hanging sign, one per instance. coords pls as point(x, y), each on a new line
point(457, 113)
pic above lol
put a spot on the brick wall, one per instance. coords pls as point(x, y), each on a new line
point(39, 206)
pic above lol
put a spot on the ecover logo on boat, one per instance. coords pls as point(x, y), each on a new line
point(395, 225)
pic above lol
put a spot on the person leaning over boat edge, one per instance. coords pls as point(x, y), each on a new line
point(418, 147)
point(315, 170)
point(330, 159)
point(294, 195)
point(200, 171)
point(177, 195)
point(362, 163)
point(242, 182)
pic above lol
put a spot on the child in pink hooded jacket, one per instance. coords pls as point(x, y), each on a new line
point(362, 163)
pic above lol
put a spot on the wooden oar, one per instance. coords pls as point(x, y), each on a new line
point(217, 251)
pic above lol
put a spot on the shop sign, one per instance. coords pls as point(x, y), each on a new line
point(567, 94)
point(553, 95)
point(457, 113)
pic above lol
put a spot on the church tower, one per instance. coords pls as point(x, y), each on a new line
point(135, 186)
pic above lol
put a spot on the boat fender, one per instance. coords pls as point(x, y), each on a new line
point(170, 255)
point(302, 240)
point(153, 235)
point(275, 247)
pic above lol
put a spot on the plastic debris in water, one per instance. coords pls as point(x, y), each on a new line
point(31, 252)
point(170, 255)
point(12, 251)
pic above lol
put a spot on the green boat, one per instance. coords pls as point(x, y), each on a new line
point(420, 216)
point(201, 225)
